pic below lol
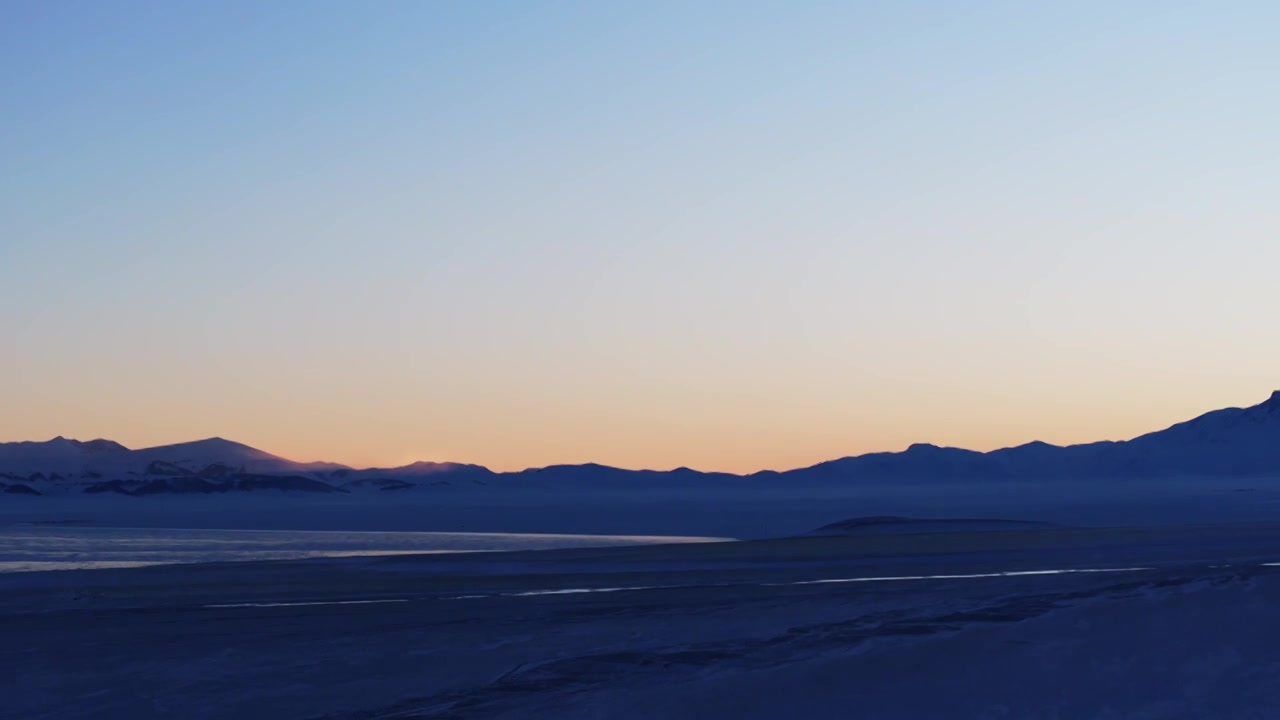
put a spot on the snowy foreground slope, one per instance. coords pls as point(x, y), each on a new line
point(1234, 442)
point(1151, 623)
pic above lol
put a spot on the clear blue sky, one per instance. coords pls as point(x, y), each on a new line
point(728, 235)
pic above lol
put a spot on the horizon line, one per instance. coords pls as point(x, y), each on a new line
point(1273, 400)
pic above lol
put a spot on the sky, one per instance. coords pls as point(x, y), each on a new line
point(724, 235)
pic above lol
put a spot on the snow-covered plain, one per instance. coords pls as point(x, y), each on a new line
point(955, 625)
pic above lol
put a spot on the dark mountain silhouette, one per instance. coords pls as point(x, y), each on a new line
point(1234, 442)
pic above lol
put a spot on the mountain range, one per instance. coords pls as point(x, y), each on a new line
point(1231, 442)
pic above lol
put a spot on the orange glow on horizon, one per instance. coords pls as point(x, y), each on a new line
point(748, 445)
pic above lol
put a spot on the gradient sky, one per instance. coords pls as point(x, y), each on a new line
point(728, 235)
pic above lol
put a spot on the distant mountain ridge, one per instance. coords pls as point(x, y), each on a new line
point(1229, 442)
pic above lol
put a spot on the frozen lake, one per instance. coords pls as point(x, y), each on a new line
point(66, 547)
point(751, 510)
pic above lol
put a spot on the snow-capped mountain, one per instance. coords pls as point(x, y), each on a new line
point(203, 466)
point(202, 453)
point(1231, 442)
point(103, 457)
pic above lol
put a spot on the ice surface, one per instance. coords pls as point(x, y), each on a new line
point(717, 511)
point(61, 547)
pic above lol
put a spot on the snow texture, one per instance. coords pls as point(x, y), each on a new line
point(1156, 623)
